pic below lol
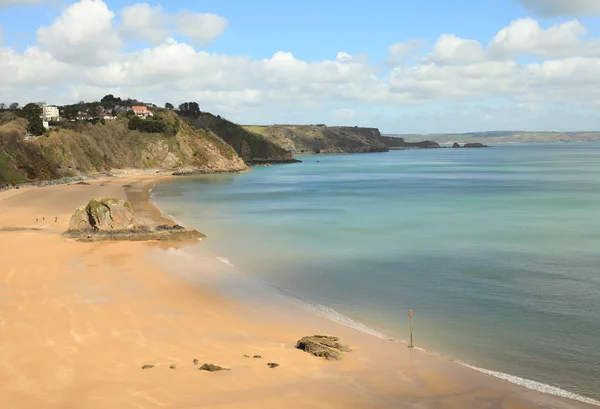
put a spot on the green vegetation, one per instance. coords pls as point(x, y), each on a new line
point(251, 147)
point(84, 147)
point(149, 125)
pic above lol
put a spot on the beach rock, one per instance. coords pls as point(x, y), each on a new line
point(195, 361)
point(147, 366)
point(104, 214)
point(111, 214)
point(245, 356)
point(82, 183)
point(212, 368)
point(475, 145)
point(114, 219)
point(455, 145)
point(323, 346)
point(272, 365)
point(80, 220)
point(257, 357)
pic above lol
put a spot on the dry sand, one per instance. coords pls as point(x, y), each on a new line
point(79, 320)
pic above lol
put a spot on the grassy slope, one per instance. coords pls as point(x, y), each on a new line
point(88, 148)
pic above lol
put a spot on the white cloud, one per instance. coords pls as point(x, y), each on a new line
point(33, 67)
point(200, 28)
point(556, 8)
point(144, 22)
point(404, 51)
point(79, 56)
point(526, 37)
point(452, 49)
point(83, 34)
point(8, 3)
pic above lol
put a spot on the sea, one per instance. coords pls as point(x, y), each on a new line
point(496, 251)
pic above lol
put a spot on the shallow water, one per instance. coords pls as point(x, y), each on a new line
point(496, 250)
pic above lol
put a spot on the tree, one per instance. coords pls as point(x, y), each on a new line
point(190, 109)
point(36, 126)
point(32, 110)
point(168, 105)
point(109, 101)
point(14, 106)
point(3, 105)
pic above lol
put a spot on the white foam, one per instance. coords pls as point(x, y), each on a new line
point(533, 385)
point(333, 315)
point(178, 252)
point(225, 261)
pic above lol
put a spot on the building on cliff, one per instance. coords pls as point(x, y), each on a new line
point(142, 111)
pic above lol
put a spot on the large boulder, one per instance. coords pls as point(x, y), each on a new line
point(105, 214)
point(456, 145)
point(323, 346)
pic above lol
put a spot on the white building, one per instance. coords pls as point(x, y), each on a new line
point(50, 113)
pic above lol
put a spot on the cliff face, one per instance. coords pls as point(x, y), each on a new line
point(301, 139)
point(252, 148)
point(399, 143)
point(82, 148)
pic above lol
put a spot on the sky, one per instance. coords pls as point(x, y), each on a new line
point(404, 66)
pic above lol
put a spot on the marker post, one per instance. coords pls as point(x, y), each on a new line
point(410, 314)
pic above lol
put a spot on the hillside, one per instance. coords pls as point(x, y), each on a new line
point(505, 137)
point(83, 148)
point(251, 147)
point(306, 139)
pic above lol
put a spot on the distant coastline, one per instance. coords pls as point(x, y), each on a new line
point(492, 137)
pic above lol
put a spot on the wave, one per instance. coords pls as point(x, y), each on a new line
point(534, 385)
point(224, 260)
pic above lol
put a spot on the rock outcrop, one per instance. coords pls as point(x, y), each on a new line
point(114, 219)
point(212, 368)
point(323, 346)
point(475, 145)
point(106, 214)
point(456, 145)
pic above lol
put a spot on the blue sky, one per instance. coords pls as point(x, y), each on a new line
point(445, 87)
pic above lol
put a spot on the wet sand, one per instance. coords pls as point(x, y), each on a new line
point(79, 320)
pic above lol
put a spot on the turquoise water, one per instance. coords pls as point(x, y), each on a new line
point(496, 250)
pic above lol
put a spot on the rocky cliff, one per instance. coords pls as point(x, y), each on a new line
point(306, 139)
point(84, 148)
point(253, 148)
point(398, 143)
point(303, 139)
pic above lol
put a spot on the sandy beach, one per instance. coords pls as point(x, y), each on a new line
point(79, 320)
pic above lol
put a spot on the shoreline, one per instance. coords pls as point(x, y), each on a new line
point(343, 320)
point(79, 320)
